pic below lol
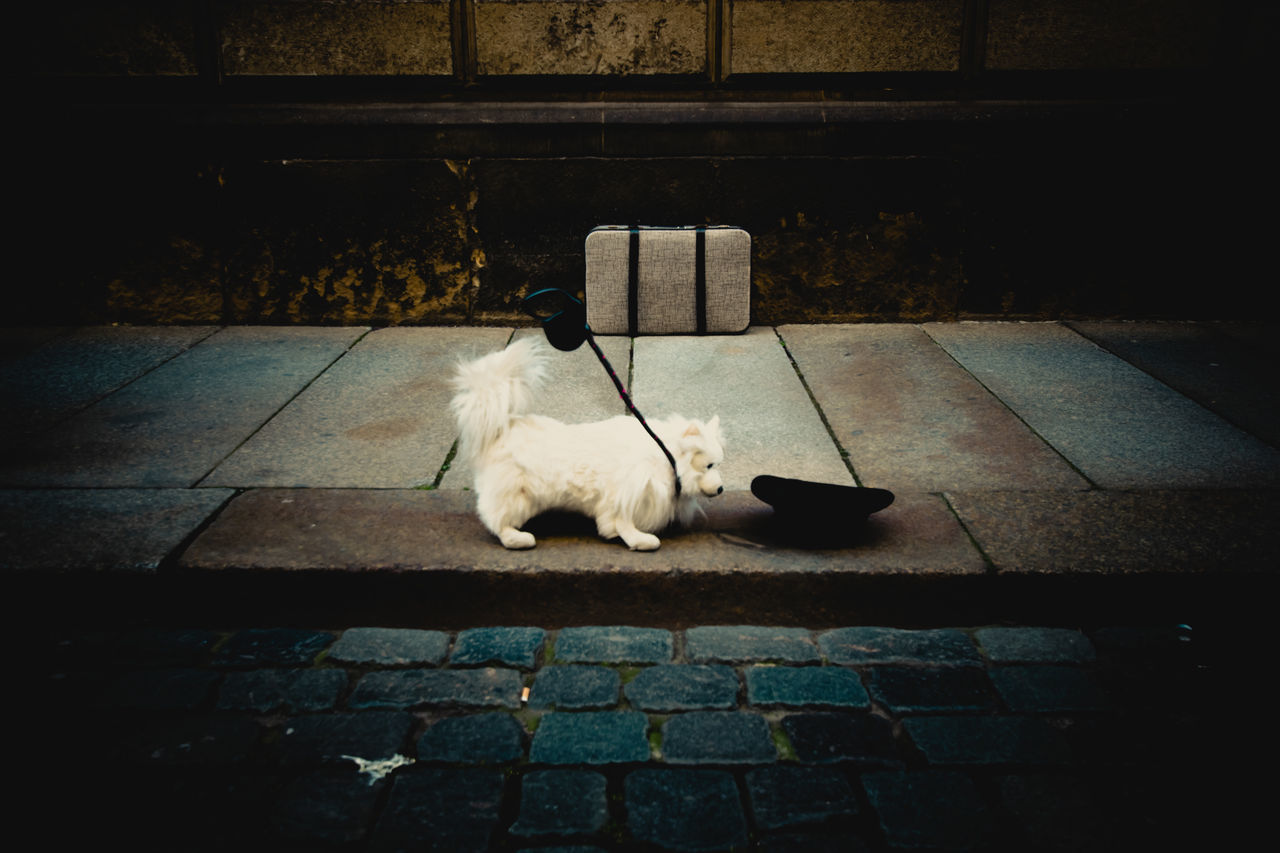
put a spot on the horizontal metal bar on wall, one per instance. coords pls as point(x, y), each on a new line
point(693, 113)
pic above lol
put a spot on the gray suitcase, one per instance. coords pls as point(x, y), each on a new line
point(644, 280)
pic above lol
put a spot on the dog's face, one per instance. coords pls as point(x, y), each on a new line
point(703, 446)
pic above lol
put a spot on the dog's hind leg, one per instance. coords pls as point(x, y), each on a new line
point(515, 539)
point(503, 515)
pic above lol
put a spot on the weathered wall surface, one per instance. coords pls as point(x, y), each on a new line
point(815, 36)
point(317, 38)
point(431, 161)
point(610, 37)
point(550, 37)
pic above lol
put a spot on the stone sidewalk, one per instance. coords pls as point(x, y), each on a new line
point(1030, 462)
point(630, 738)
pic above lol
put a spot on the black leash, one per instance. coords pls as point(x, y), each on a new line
point(591, 342)
point(566, 329)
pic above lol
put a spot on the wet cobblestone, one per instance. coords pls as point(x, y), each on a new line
point(1001, 739)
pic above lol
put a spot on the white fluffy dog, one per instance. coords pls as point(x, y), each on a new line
point(611, 470)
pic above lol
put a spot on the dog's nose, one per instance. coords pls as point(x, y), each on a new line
point(720, 491)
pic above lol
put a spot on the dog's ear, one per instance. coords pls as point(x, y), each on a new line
point(713, 425)
point(691, 430)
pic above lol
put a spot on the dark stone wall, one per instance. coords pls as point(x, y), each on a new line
point(431, 161)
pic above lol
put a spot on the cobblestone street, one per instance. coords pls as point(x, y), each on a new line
point(626, 738)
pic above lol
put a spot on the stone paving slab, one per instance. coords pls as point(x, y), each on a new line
point(614, 644)
point(1035, 645)
point(391, 646)
point(825, 737)
point(311, 739)
point(575, 688)
point(807, 686)
point(378, 418)
point(72, 370)
point(172, 426)
point(273, 647)
point(326, 804)
point(769, 422)
point(266, 691)
point(491, 687)
point(1119, 426)
point(343, 530)
point(591, 738)
point(189, 740)
point(473, 739)
point(686, 810)
point(86, 530)
point(1219, 365)
point(915, 690)
point(683, 688)
point(561, 802)
point(718, 738)
point(738, 643)
point(445, 808)
point(783, 796)
point(911, 419)
point(889, 646)
point(1222, 531)
point(514, 647)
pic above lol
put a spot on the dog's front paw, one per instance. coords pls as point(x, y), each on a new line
point(517, 540)
point(644, 542)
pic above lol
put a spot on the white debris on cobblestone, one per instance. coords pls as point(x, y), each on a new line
point(378, 769)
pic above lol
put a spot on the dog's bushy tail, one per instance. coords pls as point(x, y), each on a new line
point(494, 389)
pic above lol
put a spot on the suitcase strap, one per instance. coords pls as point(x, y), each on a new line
point(699, 281)
point(700, 278)
point(633, 282)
